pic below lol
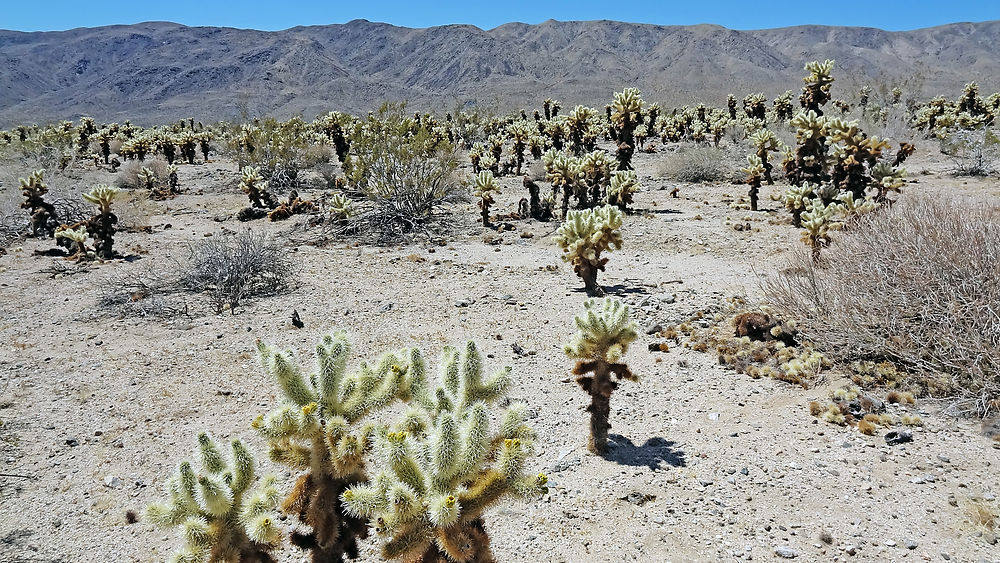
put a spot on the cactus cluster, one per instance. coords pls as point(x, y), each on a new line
point(101, 226)
point(221, 519)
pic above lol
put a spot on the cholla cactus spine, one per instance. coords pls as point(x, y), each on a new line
point(43, 214)
point(624, 183)
point(584, 236)
point(102, 226)
point(219, 518)
point(601, 341)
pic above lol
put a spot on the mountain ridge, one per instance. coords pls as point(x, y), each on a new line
point(158, 71)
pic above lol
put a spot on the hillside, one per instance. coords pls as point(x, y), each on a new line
point(156, 71)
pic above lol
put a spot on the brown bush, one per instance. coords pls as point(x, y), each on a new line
point(917, 284)
point(128, 176)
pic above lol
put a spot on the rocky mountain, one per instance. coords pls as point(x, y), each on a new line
point(158, 71)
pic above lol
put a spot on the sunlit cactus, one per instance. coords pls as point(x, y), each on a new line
point(564, 173)
point(808, 163)
point(755, 171)
point(102, 226)
point(78, 236)
point(624, 183)
point(318, 428)
point(220, 518)
point(584, 236)
point(43, 214)
point(485, 188)
point(595, 168)
point(340, 207)
point(625, 111)
point(764, 142)
point(783, 108)
point(599, 345)
point(440, 466)
point(255, 186)
point(816, 92)
point(818, 220)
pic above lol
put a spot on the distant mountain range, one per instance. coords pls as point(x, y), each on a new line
point(152, 72)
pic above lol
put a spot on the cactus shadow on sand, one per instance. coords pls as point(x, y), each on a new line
point(652, 454)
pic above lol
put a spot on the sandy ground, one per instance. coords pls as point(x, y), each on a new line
point(706, 465)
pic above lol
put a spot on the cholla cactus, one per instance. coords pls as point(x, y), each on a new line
point(441, 467)
point(317, 428)
point(816, 92)
point(485, 188)
point(520, 133)
point(340, 207)
point(43, 214)
point(602, 338)
point(755, 171)
point(808, 163)
point(595, 169)
point(794, 199)
point(147, 178)
point(764, 142)
point(102, 226)
point(818, 220)
point(584, 236)
point(624, 183)
point(783, 108)
point(76, 235)
point(886, 180)
point(854, 155)
point(625, 111)
point(220, 519)
point(254, 185)
point(564, 173)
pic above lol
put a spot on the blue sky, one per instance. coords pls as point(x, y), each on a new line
point(280, 14)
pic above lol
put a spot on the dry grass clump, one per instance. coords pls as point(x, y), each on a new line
point(918, 285)
point(699, 164)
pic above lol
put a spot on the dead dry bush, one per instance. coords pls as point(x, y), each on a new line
point(145, 291)
point(699, 164)
point(233, 268)
point(919, 285)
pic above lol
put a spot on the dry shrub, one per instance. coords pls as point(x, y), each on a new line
point(145, 291)
point(232, 268)
point(917, 284)
point(128, 176)
point(699, 164)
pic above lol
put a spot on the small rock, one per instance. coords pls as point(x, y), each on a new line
point(72, 442)
point(463, 302)
point(850, 550)
point(890, 543)
point(112, 481)
point(898, 437)
point(653, 329)
point(909, 543)
point(637, 498)
point(714, 416)
point(385, 307)
point(785, 552)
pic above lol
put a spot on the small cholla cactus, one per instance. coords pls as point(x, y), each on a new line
point(818, 220)
point(624, 184)
point(318, 429)
point(783, 108)
point(584, 236)
point(147, 178)
point(564, 173)
point(764, 142)
point(102, 226)
point(43, 214)
point(255, 186)
point(441, 466)
point(340, 207)
point(76, 235)
point(221, 520)
point(755, 171)
point(602, 338)
point(485, 188)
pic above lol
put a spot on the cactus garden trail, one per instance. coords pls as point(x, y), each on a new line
point(703, 464)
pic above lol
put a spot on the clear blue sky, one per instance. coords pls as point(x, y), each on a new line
point(39, 15)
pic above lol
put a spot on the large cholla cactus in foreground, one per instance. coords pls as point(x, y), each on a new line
point(602, 338)
point(441, 466)
point(584, 236)
point(102, 226)
point(221, 520)
point(317, 428)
